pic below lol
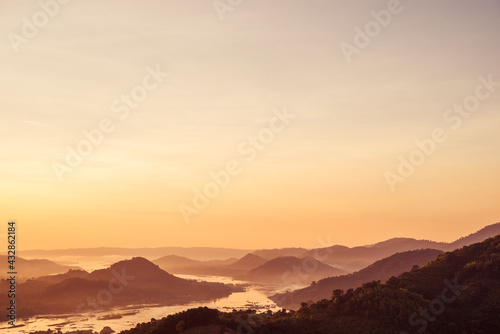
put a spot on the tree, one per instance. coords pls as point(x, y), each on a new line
point(180, 326)
point(337, 293)
point(393, 282)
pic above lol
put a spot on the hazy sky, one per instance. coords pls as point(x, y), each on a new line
point(323, 175)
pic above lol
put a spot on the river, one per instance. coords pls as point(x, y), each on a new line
point(254, 297)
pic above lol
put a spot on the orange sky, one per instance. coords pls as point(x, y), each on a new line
point(317, 174)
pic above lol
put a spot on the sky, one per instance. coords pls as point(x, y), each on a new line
point(309, 112)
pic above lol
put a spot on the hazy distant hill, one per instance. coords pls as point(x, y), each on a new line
point(174, 261)
point(33, 268)
point(229, 268)
point(381, 270)
point(126, 282)
point(178, 264)
point(406, 244)
point(248, 262)
point(479, 236)
point(270, 254)
point(283, 270)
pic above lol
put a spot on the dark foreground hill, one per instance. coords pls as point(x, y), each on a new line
point(457, 293)
point(381, 270)
point(135, 281)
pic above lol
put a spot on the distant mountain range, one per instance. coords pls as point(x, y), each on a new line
point(134, 281)
point(349, 259)
point(331, 261)
point(342, 258)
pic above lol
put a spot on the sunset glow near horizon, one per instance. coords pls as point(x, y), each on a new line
point(300, 132)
